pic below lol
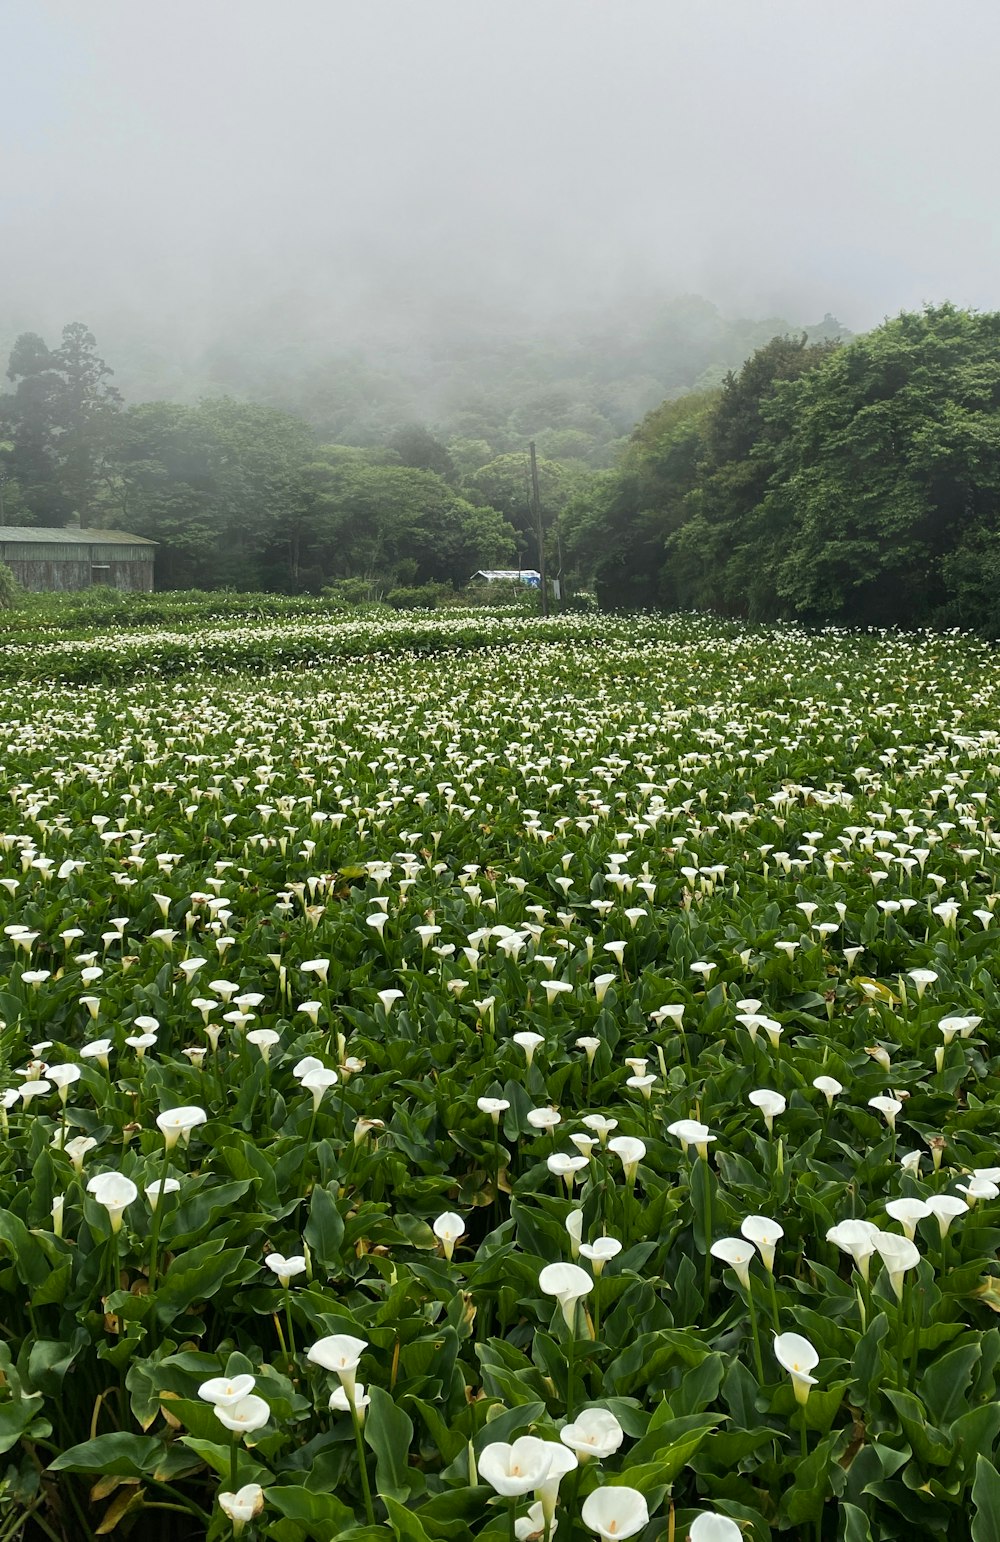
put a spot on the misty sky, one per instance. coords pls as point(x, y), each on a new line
point(198, 159)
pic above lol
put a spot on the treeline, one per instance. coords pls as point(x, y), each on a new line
point(826, 481)
point(242, 495)
point(854, 483)
point(316, 472)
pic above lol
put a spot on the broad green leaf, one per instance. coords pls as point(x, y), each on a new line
point(388, 1431)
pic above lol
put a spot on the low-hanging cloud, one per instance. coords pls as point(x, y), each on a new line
point(363, 169)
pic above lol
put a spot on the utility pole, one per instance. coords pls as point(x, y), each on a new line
point(536, 511)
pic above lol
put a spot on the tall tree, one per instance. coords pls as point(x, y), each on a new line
point(222, 486)
point(389, 523)
point(723, 554)
point(61, 419)
point(885, 497)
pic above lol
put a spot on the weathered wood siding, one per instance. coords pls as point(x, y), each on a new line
point(42, 567)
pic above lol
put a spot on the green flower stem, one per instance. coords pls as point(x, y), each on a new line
point(571, 1362)
point(708, 1232)
point(901, 1315)
point(755, 1330)
point(308, 1148)
point(916, 1322)
point(154, 1235)
point(512, 1519)
point(112, 1266)
point(359, 1442)
point(234, 1447)
point(496, 1164)
point(775, 1318)
point(288, 1321)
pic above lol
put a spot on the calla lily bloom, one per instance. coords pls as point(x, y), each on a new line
point(600, 1253)
point(62, 1078)
point(251, 1413)
point(319, 1081)
point(155, 1191)
point(771, 1104)
point(601, 1127)
point(77, 1149)
point(630, 1150)
point(978, 1188)
point(286, 1268)
point(225, 1391)
point(561, 1164)
point(908, 1212)
point(765, 1235)
point(242, 1506)
point(899, 1255)
point(738, 1254)
point(568, 1283)
point(615, 1512)
point(116, 1192)
point(798, 1357)
point(829, 1087)
point(493, 1106)
point(341, 1403)
point(888, 1108)
point(517, 1468)
point(561, 1461)
point(264, 1040)
point(529, 1042)
point(945, 1208)
point(691, 1132)
point(340, 1353)
point(34, 1089)
point(449, 1228)
point(97, 1049)
point(712, 1527)
point(180, 1123)
point(594, 1434)
point(530, 1527)
point(857, 1238)
point(544, 1118)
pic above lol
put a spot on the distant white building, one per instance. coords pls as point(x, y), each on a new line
point(529, 576)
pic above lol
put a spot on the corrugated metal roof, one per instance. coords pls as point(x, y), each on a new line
point(525, 574)
point(52, 534)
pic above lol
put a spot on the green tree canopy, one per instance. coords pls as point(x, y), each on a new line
point(61, 421)
point(886, 485)
point(399, 524)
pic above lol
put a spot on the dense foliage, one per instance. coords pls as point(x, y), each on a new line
point(823, 480)
point(581, 1037)
point(317, 470)
point(854, 483)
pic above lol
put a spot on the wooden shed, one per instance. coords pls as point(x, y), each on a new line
point(43, 558)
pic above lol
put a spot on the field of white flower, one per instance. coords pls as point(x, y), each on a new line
point(484, 1078)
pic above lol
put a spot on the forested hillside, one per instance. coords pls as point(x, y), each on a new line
point(819, 478)
point(856, 483)
point(277, 458)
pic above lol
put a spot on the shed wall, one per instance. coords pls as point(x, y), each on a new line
point(44, 574)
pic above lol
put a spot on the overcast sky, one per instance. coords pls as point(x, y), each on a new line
point(189, 160)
